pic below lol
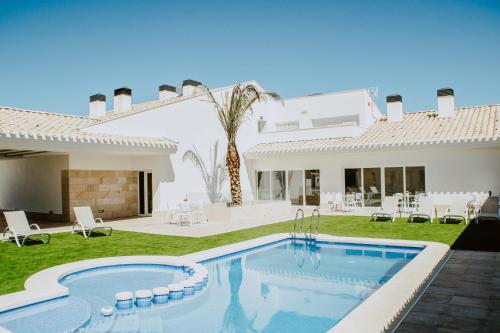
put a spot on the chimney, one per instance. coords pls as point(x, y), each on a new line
point(123, 99)
point(394, 107)
point(167, 92)
point(190, 87)
point(446, 102)
point(97, 106)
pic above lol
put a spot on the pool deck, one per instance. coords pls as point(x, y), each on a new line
point(464, 297)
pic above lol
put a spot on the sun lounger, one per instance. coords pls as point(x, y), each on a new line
point(19, 228)
point(488, 210)
point(457, 210)
point(388, 210)
point(86, 223)
point(423, 211)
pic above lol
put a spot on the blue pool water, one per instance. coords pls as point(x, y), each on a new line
point(283, 287)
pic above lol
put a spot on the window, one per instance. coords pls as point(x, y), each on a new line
point(336, 121)
point(312, 187)
point(278, 185)
point(263, 185)
point(261, 125)
point(271, 185)
point(415, 179)
point(296, 186)
point(352, 180)
point(372, 187)
point(394, 182)
point(287, 125)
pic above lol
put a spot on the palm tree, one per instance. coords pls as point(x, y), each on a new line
point(214, 177)
point(235, 106)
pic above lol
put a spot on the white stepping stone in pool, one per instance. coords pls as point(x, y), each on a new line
point(188, 287)
point(143, 297)
point(176, 291)
point(124, 299)
point(160, 295)
point(107, 310)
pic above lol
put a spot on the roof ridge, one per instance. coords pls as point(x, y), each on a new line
point(456, 108)
point(43, 112)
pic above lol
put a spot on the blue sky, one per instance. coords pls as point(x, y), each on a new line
point(55, 54)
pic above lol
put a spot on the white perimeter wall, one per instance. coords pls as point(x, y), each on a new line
point(446, 170)
point(32, 184)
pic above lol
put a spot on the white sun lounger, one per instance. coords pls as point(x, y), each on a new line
point(19, 228)
point(423, 211)
point(388, 210)
point(458, 210)
point(86, 223)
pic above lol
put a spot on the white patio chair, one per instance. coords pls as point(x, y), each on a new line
point(338, 201)
point(359, 200)
point(423, 210)
point(388, 210)
point(19, 228)
point(86, 223)
point(185, 214)
point(198, 213)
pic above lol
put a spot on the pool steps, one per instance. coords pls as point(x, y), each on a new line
point(196, 280)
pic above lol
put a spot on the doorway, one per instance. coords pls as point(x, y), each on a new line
point(145, 193)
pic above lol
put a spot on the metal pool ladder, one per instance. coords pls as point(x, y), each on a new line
point(314, 214)
point(293, 232)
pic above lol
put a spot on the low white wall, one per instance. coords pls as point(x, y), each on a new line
point(33, 183)
point(446, 170)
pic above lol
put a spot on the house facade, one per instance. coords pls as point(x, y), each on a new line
point(128, 161)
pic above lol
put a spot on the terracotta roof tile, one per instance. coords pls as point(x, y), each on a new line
point(44, 125)
point(470, 124)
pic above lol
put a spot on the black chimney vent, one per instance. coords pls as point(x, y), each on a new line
point(394, 98)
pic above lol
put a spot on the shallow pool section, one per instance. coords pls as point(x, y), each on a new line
point(286, 286)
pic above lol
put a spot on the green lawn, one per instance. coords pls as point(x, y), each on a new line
point(17, 264)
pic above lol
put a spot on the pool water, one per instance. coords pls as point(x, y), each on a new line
point(282, 287)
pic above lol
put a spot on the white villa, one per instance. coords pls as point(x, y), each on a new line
point(128, 161)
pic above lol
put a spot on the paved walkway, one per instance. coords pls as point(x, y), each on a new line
point(464, 297)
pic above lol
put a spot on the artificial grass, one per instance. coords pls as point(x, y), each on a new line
point(17, 264)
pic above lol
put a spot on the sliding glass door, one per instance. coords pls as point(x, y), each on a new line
point(415, 179)
point(352, 181)
point(312, 187)
point(394, 181)
point(278, 185)
point(369, 181)
point(296, 186)
point(372, 187)
point(263, 185)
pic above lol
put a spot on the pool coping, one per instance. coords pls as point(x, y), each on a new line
point(44, 285)
point(379, 311)
point(375, 314)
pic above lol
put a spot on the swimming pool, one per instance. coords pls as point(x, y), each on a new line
point(277, 286)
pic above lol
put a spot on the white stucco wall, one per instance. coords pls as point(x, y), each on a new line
point(193, 123)
point(457, 170)
point(33, 183)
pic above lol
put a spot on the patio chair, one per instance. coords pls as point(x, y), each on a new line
point(337, 201)
point(423, 210)
point(19, 228)
point(359, 200)
point(86, 223)
point(185, 214)
point(387, 211)
point(198, 213)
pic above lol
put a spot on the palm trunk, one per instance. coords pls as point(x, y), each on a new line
point(233, 168)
